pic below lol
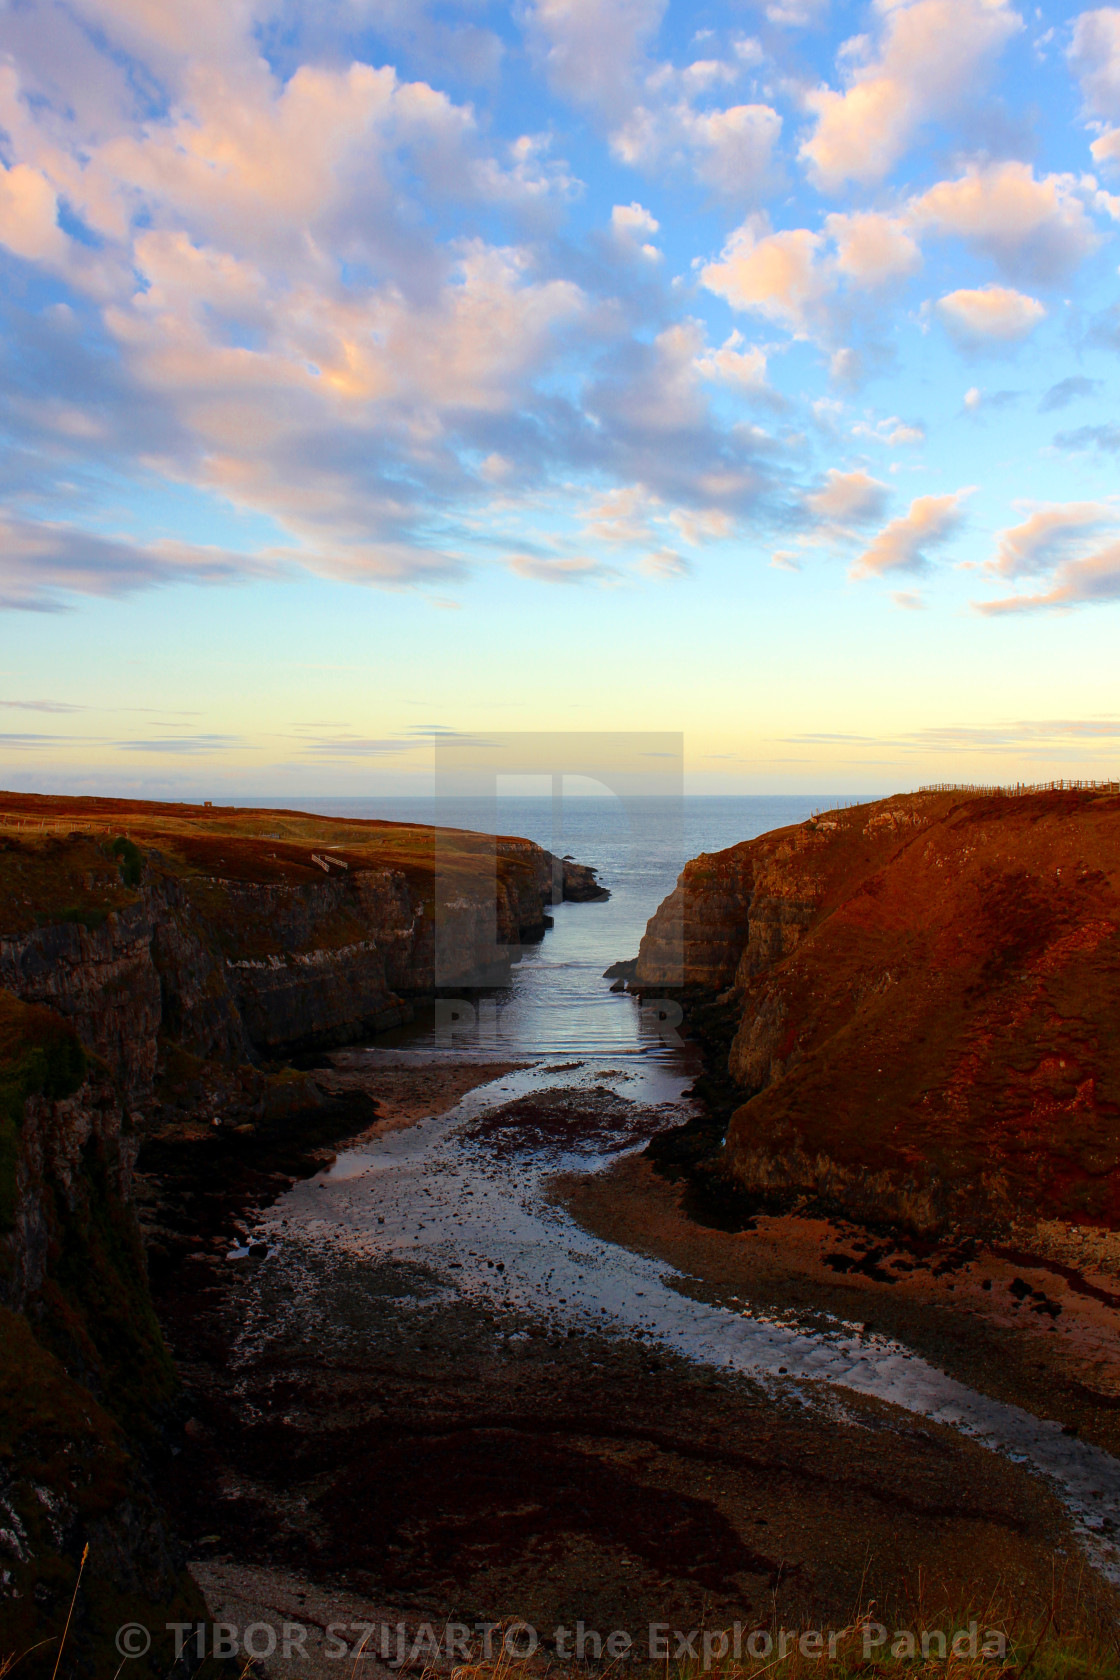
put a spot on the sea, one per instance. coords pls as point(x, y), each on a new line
point(558, 1001)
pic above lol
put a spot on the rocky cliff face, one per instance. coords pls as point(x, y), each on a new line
point(927, 991)
point(143, 977)
point(286, 950)
point(84, 1383)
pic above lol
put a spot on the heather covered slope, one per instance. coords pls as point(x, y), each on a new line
point(928, 994)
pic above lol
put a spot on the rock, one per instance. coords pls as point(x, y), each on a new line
point(926, 990)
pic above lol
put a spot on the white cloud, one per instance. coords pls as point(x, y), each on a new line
point(792, 277)
point(29, 215)
point(630, 224)
point(1106, 148)
point(622, 515)
point(563, 570)
point(595, 54)
point(772, 274)
point(990, 313)
point(46, 560)
point(1093, 579)
point(872, 248)
point(701, 525)
point(665, 565)
point(1034, 228)
point(591, 49)
point(1095, 57)
point(892, 431)
point(733, 148)
point(848, 498)
point(1048, 535)
point(904, 544)
point(731, 365)
point(927, 61)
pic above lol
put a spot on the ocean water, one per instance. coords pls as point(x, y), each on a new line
point(558, 1001)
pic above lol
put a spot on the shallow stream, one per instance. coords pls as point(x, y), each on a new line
point(468, 1196)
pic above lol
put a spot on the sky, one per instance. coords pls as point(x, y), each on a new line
point(380, 370)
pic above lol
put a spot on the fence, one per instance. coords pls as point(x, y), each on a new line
point(1012, 790)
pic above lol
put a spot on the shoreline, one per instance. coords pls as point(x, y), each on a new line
point(372, 1425)
point(1006, 1322)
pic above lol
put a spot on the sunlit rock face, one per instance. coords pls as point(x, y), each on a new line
point(928, 990)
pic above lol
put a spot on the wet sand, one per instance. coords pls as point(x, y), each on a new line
point(388, 1407)
point(1019, 1321)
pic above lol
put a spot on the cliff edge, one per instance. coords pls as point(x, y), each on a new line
point(158, 966)
point(926, 997)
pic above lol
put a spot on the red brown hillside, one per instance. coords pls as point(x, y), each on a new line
point(930, 1006)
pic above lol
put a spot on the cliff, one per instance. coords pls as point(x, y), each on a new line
point(238, 934)
point(926, 997)
point(155, 962)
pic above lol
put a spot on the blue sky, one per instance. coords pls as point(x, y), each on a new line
point(374, 368)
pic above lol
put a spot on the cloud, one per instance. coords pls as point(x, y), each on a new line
point(665, 564)
point(595, 54)
point(24, 742)
point(1046, 536)
point(892, 431)
point(622, 515)
point(847, 499)
point(44, 562)
point(1106, 438)
point(872, 248)
point(903, 545)
point(928, 59)
point(39, 706)
point(1095, 56)
point(1094, 579)
point(561, 570)
point(353, 746)
point(1033, 229)
point(29, 215)
point(1106, 149)
point(632, 229)
point(992, 314)
point(772, 274)
point(1067, 391)
point(591, 49)
point(181, 745)
point(744, 370)
point(1061, 544)
point(729, 149)
point(976, 399)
